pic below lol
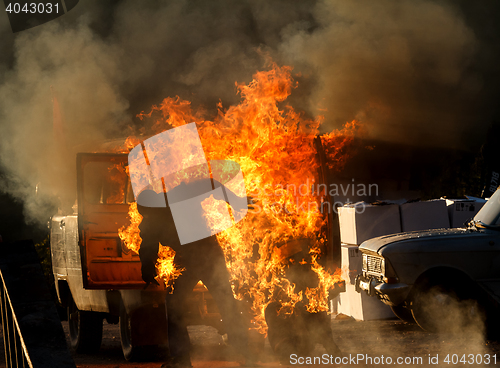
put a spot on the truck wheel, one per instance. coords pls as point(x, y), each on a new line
point(133, 329)
point(403, 313)
point(444, 308)
point(85, 329)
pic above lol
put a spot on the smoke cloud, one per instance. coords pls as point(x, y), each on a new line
point(390, 64)
point(413, 71)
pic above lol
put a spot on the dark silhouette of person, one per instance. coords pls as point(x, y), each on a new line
point(201, 260)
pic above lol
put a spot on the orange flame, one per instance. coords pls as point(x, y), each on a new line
point(130, 234)
point(165, 267)
point(274, 145)
point(337, 143)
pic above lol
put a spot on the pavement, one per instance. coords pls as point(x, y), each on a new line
point(363, 343)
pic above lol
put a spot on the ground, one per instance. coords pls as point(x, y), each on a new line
point(370, 339)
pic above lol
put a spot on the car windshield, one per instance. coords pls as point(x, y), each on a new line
point(489, 215)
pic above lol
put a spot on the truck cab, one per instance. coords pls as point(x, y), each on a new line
point(97, 277)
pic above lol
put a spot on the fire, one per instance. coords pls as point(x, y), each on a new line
point(318, 296)
point(166, 268)
point(274, 145)
point(213, 209)
point(130, 235)
point(336, 144)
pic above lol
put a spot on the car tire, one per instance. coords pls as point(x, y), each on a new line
point(130, 327)
point(443, 307)
point(403, 313)
point(85, 329)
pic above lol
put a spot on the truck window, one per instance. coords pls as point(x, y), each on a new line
point(105, 183)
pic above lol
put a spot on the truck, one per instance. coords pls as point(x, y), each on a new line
point(445, 280)
point(98, 278)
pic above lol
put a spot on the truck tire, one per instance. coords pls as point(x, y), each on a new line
point(132, 329)
point(443, 307)
point(85, 329)
point(403, 313)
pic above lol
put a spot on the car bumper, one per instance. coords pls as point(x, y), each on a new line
point(390, 294)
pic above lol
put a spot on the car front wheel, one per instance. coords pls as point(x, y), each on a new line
point(443, 307)
point(403, 313)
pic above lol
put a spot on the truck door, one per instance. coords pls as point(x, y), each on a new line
point(104, 194)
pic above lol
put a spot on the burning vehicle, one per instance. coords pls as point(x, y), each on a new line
point(442, 279)
point(283, 257)
point(95, 275)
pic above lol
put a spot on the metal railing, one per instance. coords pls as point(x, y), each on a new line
point(33, 336)
point(15, 349)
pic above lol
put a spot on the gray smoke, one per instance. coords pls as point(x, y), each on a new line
point(412, 71)
point(389, 64)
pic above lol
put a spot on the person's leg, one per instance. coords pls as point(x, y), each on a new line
point(178, 337)
point(215, 276)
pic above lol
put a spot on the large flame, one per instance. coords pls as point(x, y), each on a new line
point(274, 145)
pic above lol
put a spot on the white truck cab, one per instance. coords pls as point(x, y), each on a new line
point(97, 277)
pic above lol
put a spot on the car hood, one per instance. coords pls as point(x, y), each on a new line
point(376, 244)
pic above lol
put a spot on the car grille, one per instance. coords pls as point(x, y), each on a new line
point(373, 264)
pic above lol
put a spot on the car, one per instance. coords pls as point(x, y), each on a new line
point(442, 279)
